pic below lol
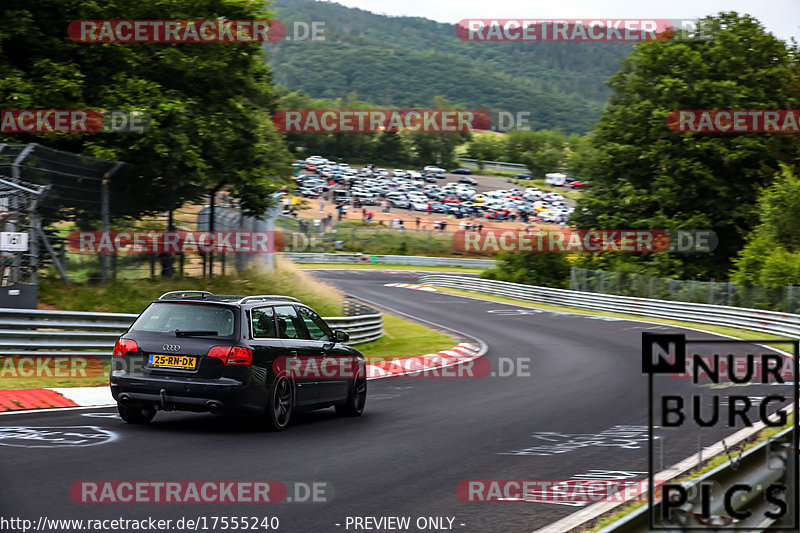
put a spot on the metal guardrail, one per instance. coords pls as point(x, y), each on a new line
point(751, 468)
point(417, 260)
point(502, 165)
point(364, 324)
point(782, 324)
point(30, 332)
point(770, 462)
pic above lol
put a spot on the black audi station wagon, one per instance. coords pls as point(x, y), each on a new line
point(267, 356)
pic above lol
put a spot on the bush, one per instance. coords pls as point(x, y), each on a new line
point(539, 268)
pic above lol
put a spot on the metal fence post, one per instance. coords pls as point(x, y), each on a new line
point(105, 214)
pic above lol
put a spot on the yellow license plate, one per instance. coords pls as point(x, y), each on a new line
point(173, 361)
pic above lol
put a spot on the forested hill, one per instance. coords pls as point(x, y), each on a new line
point(405, 61)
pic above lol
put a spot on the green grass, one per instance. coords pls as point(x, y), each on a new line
point(132, 296)
point(95, 374)
point(392, 242)
point(404, 339)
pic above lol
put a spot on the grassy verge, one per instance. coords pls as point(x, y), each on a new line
point(95, 371)
point(721, 330)
point(390, 242)
point(402, 339)
point(132, 296)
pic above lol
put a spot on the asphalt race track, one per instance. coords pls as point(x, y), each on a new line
point(571, 416)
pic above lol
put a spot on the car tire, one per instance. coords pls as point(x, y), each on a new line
point(356, 397)
point(280, 406)
point(135, 414)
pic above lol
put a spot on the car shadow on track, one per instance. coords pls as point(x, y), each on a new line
point(205, 423)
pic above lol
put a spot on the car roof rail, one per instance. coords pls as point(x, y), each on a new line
point(267, 297)
point(185, 294)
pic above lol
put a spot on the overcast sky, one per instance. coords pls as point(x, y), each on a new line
point(781, 17)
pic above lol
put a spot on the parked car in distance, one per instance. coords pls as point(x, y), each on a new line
point(398, 202)
point(467, 179)
point(461, 171)
point(341, 197)
point(522, 176)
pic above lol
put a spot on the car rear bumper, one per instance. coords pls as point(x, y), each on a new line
point(180, 394)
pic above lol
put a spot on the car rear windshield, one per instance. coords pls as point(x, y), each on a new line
point(167, 317)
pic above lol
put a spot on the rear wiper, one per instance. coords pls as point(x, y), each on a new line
point(194, 332)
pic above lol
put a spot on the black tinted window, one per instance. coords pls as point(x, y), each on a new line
point(166, 317)
point(263, 323)
point(317, 328)
point(289, 324)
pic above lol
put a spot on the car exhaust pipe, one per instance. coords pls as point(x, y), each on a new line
point(213, 406)
point(124, 398)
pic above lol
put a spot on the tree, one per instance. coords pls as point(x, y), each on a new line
point(547, 269)
point(578, 153)
point(541, 151)
point(345, 145)
point(485, 147)
point(390, 148)
point(646, 176)
point(209, 103)
point(438, 148)
point(772, 254)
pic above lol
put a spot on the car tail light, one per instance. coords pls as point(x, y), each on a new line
point(232, 355)
point(240, 356)
point(220, 352)
point(124, 346)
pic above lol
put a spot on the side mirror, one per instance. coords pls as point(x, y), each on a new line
point(341, 336)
